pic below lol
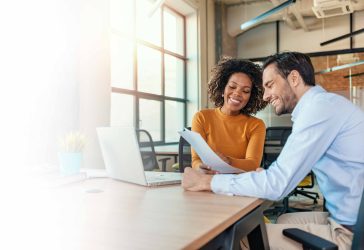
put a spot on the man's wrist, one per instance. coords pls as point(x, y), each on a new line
point(207, 182)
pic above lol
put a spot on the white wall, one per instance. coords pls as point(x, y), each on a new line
point(55, 78)
point(358, 23)
point(39, 79)
point(206, 31)
point(94, 76)
point(325, 29)
point(257, 42)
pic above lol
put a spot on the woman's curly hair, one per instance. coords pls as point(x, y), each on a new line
point(221, 74)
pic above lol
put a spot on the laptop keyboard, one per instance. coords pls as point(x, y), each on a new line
point(152, 176)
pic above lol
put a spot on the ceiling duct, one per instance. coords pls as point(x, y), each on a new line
point(328, 8)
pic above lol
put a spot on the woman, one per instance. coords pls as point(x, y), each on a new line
point(229, 129)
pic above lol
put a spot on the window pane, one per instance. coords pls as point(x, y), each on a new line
point(150, 117)
point(121, 16)
point(148, 22)
point(348, 82)
point(358, 95)
point(122, 110)
point(174, 120)
point(149, 70)
point(121, 62)
point(173, 32)
point(174, 76)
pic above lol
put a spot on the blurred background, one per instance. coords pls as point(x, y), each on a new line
point(77, 65)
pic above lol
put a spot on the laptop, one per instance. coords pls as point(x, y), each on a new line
point(123, 160)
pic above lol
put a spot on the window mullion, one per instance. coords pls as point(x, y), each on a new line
point(173, 63)
point(185, 73)
point(163, 116)
point(135, 69)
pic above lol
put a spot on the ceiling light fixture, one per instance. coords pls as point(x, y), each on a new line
point(263, 16)
point(349, 65)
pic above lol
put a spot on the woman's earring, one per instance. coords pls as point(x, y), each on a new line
point(222, 95)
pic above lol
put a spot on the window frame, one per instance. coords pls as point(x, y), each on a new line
point(162, 97)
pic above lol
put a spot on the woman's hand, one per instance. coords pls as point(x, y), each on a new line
point(223, 157)
point(206, 169)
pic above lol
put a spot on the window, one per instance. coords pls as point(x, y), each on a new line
point(148, 68)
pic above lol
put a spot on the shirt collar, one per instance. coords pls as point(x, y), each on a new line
point(305, 99)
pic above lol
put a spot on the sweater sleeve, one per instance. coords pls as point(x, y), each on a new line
point(254, 151)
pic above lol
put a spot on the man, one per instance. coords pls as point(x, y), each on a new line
point(327, 138)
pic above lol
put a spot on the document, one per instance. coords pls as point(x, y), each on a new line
point(206, 154)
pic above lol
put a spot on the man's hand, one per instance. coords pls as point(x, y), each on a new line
point(193, 180)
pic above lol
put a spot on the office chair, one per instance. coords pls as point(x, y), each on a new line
point(311, 241)
point(184, 154)
point(307, 182)
point(275, 139)
point(147, 151)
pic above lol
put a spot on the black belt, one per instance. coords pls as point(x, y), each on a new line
point(349, 227)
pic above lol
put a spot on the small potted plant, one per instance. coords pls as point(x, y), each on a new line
point(70, 157)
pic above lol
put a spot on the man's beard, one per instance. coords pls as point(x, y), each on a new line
point(288, 103)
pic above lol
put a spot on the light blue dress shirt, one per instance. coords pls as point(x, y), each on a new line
point(328, 138)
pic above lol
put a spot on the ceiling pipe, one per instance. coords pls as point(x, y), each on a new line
point(286, 17)
point(342, 37)
point(255, 21)
point(349, 65)
point(299, 18)
point(303, 7)
point(354, 75)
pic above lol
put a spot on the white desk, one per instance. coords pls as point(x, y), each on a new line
point(108, 214)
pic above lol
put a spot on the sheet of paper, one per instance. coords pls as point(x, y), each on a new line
point(206, 154)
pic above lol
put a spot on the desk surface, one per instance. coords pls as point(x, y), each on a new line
point(108, 214)
point(102, 213)
point(167, 148)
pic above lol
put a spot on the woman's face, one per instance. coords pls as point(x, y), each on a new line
point(236, 94)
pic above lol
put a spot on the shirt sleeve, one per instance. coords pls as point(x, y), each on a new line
point(254, 151)
point(197, 126)
point(313, 132)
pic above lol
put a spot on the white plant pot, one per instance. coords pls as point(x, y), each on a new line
point(70, 162)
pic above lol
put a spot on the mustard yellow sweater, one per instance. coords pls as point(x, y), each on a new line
point(240, 138)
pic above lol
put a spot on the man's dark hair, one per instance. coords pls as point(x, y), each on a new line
point(221, 74)
point(287, 61)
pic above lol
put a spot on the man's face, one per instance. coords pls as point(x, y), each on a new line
point(277, 91)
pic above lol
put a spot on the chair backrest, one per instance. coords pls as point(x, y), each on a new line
point(147, 151)
point(275, 139)
point(184, 154)
point(358, 240)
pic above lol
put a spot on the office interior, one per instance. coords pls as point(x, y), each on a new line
point(75, 65)
point(78, 65)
